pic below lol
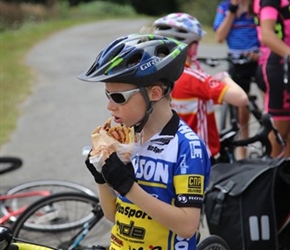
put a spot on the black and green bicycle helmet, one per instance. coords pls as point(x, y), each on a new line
point(140, 60)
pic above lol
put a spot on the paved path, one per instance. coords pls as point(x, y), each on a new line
point(56, 120)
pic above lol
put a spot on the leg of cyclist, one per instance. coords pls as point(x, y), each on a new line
point(260, 81)
point(278, 104)
point(243, 74)
point(284, 129)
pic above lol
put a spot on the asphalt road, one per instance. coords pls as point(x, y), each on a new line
point(57, 118)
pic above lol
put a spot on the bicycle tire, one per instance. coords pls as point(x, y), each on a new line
point(53, 186)
point(55, 219)
point(9, 164)
point(213, 242)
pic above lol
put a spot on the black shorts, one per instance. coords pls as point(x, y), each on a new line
point(260, 79)
point(277, 97)
point(243, 74)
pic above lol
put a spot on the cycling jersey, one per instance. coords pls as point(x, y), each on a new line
point(241, 39)
point(173, 166)
point(276, 98)
point(242, 36)
point(193, 97)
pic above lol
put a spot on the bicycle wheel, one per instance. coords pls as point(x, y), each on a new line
point(57, 220)
point(9, 164)
point(213, 242)
point(24, 194)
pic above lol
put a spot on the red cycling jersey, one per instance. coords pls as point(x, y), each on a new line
point(193, 97)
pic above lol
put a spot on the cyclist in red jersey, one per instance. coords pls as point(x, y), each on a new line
point(274, 27)
point(196, 92)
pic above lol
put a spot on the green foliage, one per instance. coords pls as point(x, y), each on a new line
point(154, 8)
point(104, 9)
point(203, 10)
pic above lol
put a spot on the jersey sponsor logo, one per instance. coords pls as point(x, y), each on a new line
point(116, 240)
point(195, 184)
point(194, 144)
point(195, 149)
point(182, 199)
point(183, 165)
point(162, 141)
point(130, 212)
point(213, 83)
point(150, 248)
point(153, 171)
point(189, 199)
point(150, 63)
point(181, 243)
point(130, 230)
point(192, 184)
point(155, 149)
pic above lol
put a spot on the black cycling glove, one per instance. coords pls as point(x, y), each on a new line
point(233, 8)
point(118, 175)
point(98, 176)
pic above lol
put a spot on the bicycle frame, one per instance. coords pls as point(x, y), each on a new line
point(16, 212)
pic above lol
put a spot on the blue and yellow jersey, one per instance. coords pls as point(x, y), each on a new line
point(172, 166)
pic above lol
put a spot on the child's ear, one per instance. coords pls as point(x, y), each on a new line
point(156, 93)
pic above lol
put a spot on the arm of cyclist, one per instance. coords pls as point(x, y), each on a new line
point(232, 93)
point(184, 221)
point(107, 195)
point(107, 198)
point(224, 19)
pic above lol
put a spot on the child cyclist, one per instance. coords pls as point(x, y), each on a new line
point(196, 92)
point(154, 201)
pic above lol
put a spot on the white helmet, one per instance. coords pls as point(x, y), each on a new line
point(180, 26)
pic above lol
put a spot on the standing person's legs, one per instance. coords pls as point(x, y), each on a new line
point(259, 78)
point(243, 75)
point(278, 107)
point(283, 126)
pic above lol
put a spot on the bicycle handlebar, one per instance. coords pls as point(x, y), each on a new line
point(215, 61)
point(9, 164)
point(267, 125)
point(262, 135)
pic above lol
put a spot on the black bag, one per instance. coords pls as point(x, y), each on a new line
point(246, 203)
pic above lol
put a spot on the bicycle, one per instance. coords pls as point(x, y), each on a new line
point(66, 220)
point(15, 200)
point(9, 242)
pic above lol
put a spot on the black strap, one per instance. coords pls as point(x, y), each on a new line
point(217, 210)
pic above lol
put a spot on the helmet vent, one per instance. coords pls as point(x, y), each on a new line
point(164, 27)
point(182, 31)
point(134, 60)
point(162, 51)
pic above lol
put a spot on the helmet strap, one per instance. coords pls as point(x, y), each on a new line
point(139, 127)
